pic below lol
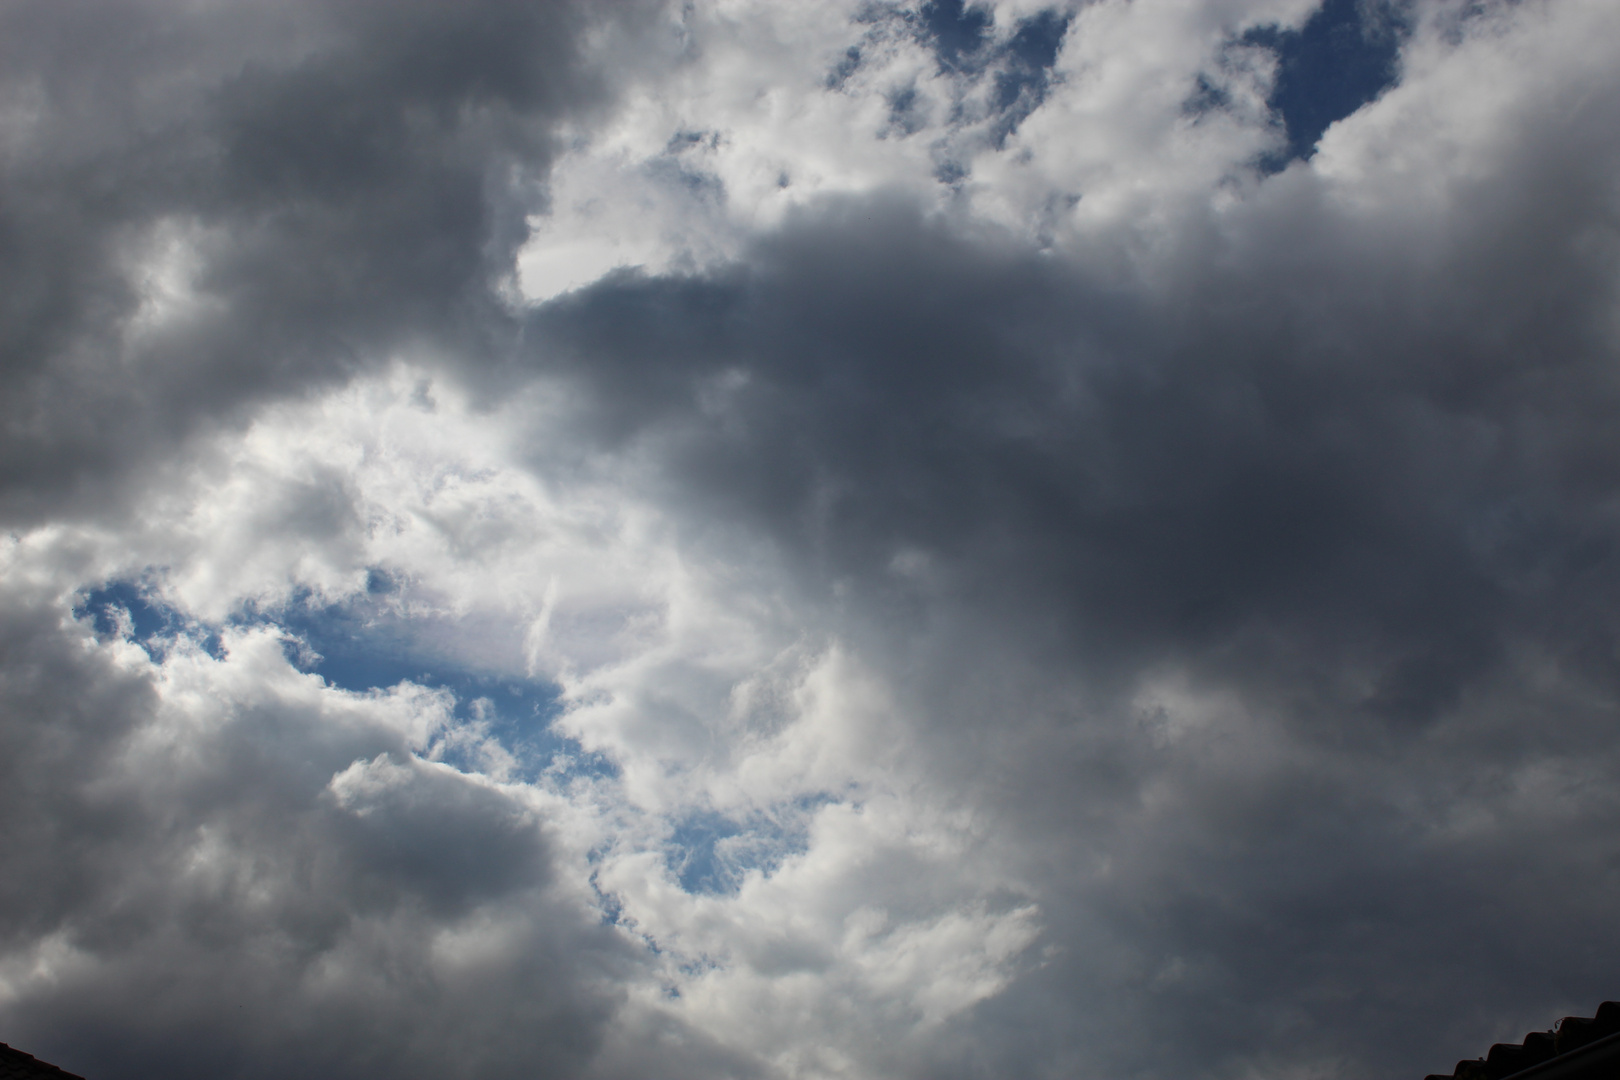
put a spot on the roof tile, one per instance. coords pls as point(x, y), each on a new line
point(16, 1065)
point(1539, 1047)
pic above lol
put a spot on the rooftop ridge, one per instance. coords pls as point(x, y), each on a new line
point(18, 1065)
point(1572, 1033)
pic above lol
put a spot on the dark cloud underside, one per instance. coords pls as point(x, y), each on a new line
point(1201, 472)
point(1371, 500)
point(345, 180)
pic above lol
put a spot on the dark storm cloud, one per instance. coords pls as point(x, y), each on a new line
point(337, 180)
point(1359, 478)
point(1318, 461)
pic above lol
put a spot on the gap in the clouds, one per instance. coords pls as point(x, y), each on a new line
point(1207, 97)
point(127, 609)
point(962, 39)
point(905, 118)
point(360, 646)
point(1344, 56)
point(847, 65)
point(1020, 68)
point(956, 30)
point(710, 853)
point(610, 905)
point(1026, 71)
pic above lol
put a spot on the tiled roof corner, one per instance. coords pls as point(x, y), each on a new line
point(16, 1065)
point(1577, 1048)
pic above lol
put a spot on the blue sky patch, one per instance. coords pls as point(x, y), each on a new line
point(956, 30)
point(1025, 71)
point(1030, 54)
point(361, 646)
point(1346, 55)
point(710, 853)
point(1020, 68)
point(961, 37)
point(151, 624)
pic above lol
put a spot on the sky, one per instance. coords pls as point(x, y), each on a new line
point(807, 539)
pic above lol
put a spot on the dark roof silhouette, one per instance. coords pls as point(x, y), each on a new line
point(16, 1065)
point(1577, 1048)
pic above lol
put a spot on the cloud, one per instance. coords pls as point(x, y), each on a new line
point(1326, 454)
point(263, 863)
point(807, 540)
point(210, 206)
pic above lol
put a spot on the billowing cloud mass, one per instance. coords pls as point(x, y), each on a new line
point(807, 540)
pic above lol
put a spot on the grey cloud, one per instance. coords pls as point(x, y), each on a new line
point(1390, 451)
point(1358, 477)
point(344, 180)
point(220, 905)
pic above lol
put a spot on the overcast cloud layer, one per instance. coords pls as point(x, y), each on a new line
point(807, 540)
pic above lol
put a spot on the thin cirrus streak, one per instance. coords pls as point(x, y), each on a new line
point(805, 540)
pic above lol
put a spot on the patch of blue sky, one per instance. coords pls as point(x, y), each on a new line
point(1025, 73)
point(957, 31)
point(961, 39)
point(360, 646)
point(960, 36)
point(1344, 56)
point(128, 609)
point(711, 853)
point(364, 645)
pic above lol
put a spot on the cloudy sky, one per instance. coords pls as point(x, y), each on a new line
point(807, 539)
